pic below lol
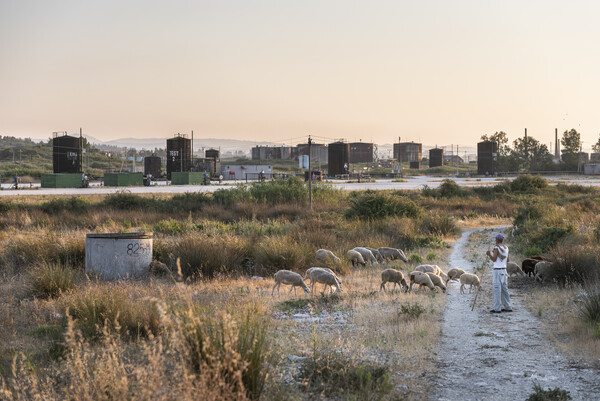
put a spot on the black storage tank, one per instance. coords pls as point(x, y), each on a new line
point(436, 157)
point(361, 152)
point(212, 153)
point(487, 158)
point(338, 158)
point(415, 165)
point(152, 166)
point(66, 154)
point(179, 155)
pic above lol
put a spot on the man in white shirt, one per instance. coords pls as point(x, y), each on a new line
point(500, 258)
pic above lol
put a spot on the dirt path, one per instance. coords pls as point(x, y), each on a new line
point(483, 356)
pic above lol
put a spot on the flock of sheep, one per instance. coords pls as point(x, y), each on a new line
point(429, 276)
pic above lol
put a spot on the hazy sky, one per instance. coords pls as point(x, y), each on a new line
point(437, 72)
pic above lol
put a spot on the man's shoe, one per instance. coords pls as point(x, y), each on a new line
point(494, 311)
point(506, 310)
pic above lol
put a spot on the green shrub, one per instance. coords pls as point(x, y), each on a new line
point(291, 190)
point(72, 204)
point(431, 256)
point(450, 189)
point(528, 183)
point(52, 279)
point(374, 205)
point(231, 196)
point(574, 264)
point(575, 188)
point(548, 237)
point(412, 311)
point(414, 258)
point(187, 202)
point(234, 343)
point(532, 250)
point(174, 227)
point(529, 211)
point(539, 394)
point(125, 200)
point(281, 252)
point(590, 306)
point(439, 223)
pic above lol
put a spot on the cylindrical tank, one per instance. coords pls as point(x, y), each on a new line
point(179, 155)
point(338, 158)
point(436, 157)
point(122, 255)
point(152, 165)
point(487, 158)
point(212, 153)
point(66, 154)
point(361, 152)
point(408, 152)
point(415, 165)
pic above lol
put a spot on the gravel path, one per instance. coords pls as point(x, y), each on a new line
point(483, 356)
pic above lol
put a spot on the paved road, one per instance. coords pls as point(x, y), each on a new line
point(416, 182)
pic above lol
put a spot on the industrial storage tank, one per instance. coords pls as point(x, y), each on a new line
point(152, 166)
point(66, 154)
point(408, 152)
point(119, 255)
point(212, 153)
point(436, 157)
point(338, 156)
point(179, 155)
point(487, 158)
point(361, 152)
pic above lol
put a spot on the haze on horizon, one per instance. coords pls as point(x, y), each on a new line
point(436, 72)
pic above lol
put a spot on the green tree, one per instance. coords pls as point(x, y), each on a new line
point(596, 146)
point(528, 154)
point(571, 143)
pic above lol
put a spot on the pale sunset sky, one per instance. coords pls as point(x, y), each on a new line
point(436, 72)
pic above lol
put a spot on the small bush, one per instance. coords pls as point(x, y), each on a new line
point(530, 211)
point(414, 258)
point(528, 183)
point(73, 204)
point(574, 264)
point(439, 223)
point(431, 256)
point(125, 200)
point(590, 306)
point(532, 250)
point(412, 311)
point(187, 202)
point(52, 279)
point(539, 394)
point(281, 252)
point(291, 190)
point(450, 189)
point(373, 205)
point(231, 196)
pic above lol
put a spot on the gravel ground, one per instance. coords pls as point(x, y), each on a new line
point(483, 356)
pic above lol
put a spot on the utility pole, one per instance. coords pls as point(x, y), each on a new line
point(309, 174)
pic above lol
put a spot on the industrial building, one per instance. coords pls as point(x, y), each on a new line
point(179, 154)
point(318, 152)
point(274, 153)
point(338, 156)
point(66, 154)
point(153, 166)
point(408, 152)
point(246, 172)
point(436, 157)
point(487, 158)
point(361, 152)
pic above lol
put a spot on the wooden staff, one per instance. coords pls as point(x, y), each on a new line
point(476, 293)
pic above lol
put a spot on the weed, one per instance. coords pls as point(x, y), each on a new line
point(413, 311)
point(431, 256)
point(590, 307)
point(539, 394)
point(52, 279)
point(574, 264)
point(415, 258)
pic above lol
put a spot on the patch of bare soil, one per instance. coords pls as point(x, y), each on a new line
point(484, 356)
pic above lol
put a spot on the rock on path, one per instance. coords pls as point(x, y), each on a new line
point(483, 356)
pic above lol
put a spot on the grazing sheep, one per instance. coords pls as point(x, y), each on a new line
point(288, 277)
point(377, 255)
point(471, 279)
point(325, 256)
point(366, 254)
point(422, 279)
point(528, 265)
point(327, 279)
point(513, 268)
point(309, 273)
point(356, 258)
point(437, 281)
point(454, 274)
point(392, 254)
point(393, 276)
point(541, 270)
point(435, 269)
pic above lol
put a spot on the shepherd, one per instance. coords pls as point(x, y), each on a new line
point(500, 258)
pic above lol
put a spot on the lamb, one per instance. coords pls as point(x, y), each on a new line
point(309, 274)
point(377, 255)
point(289, 277)
point(528, 264)
point(356, 258)
point(366, 254)
point(513, 268)
point(326, 256)
point(392, 254)
point(454, 274)
point(471, 279)
point(432, 269)
point(422, 279)
point(327, 279)
point(393, 276)
point(541, 270)
point(437, 281)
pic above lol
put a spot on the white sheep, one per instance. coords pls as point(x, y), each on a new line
point(393, 276)
point(454, 274)
point(355, 257)
point(513, 268)
point(377, 255)
point(435, 269)
point(541, 270)
point(326, 256)
point(422, 279)
point(327, 279)
point(291, 278)
point(392, 254)
point(309, 274)
point(471, 279)
point(366, 254)
point(437, 281)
